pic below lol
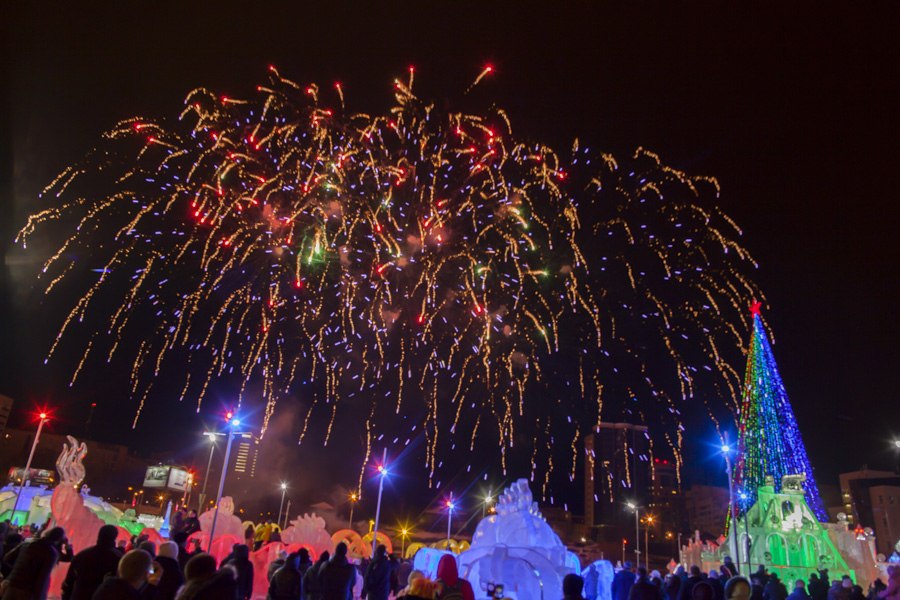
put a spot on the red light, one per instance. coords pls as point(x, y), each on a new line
point(420, 319)
point(43, 416)
point(93, 404)
point(229, 415)
point(489, 68)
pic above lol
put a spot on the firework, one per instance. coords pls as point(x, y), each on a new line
point(422, 267)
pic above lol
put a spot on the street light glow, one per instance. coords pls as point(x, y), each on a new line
point(631, 505)
point(383, 470)
point(43, 416)
point(726, 448)
point(236, 422)
point(283, 486)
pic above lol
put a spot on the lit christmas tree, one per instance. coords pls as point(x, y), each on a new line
point(769, 441)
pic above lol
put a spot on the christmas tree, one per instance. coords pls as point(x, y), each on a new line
point(769, 442)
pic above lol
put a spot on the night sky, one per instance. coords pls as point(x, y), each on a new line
point(793, 108)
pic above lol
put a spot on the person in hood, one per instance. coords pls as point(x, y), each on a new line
point(799, 592)
point(378, 580)
point(775, 589)
point(243, 569)
point(450, 586)
point(737, 588)
point(622, 582)
point(276, 564)
point(287, 582)
point(818, 585)
point(717, 585)
point(91, 566)
point(32, 563)
point(136, 579)
point(643, 588)
point(172, 578)
point(686, 590)
point(338, 576)
point(572, 587)
point(205, 583)
point(305, 562)
point(312, 579)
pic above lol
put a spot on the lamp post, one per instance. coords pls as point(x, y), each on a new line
point(281, 506)
point(403, 535)
point(212, 448)
point(287, 515)
point(450, 507)
point(353, 498)
point(649, 519)
point(637, 531)
point(43, 416)
point(726, 451)
point(233, 423)
point(383, 471)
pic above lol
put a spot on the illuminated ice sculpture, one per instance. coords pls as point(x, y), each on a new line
point(517, 548)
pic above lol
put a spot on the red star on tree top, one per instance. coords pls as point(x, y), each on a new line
point(755, 308)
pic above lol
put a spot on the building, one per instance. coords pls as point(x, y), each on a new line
point(241, 477)
point(666, 502)
point(872, 499)
point(617, 470)
point(707, 508)
point(6, 404)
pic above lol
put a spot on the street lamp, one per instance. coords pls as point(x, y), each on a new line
point(233, 423)
point(450, 506)
point(726, 452)
point(649, 520)
point(354, 497)
point(487, 500)
point(404, 533)
point(637, 531)
point(43, 419)
point(281, 506)
point(383, 471)
point(212, 448)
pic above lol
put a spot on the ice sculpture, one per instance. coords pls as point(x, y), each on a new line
point(308, 531)
point(356, 547)
point(226, 524)
point(517, 548)
point(68, 506)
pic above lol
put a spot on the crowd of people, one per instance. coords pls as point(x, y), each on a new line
point(726, 583)
point(138, 569)
point(141, 570)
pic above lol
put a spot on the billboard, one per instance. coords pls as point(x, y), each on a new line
point(35, 476)
point(168, 477)
point(178, 479)
point(156, 476)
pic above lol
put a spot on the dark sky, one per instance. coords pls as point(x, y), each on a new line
point(793, 107)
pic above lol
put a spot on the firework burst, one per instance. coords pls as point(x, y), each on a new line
point(423, 267)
